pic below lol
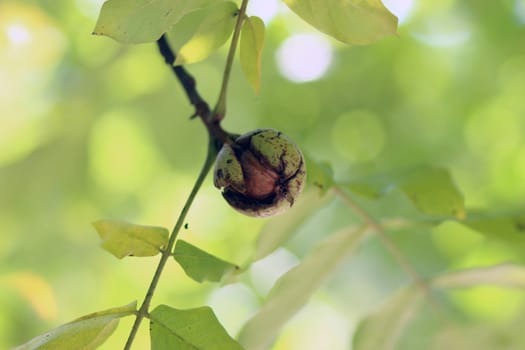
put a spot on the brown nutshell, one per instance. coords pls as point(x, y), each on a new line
point(261, 173)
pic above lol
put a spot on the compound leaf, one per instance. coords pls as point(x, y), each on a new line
point(291, 292)
point(382, 328)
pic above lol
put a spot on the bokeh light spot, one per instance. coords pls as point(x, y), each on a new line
point(264, 273)
point(36, 290)
point(304, 57)
point(18, 34)
point(233, 305)
point(489, 303)
point(493, 131)
point(519, 10)
point(90, 8)
point(446, 29)
point(317, 326)
point(358, 135)
point(127, 77)
point(265, 9)
point(122, 155)
point(31, 46)
point(401, 8)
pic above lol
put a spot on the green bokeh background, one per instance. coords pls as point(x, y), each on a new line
point(93, 129)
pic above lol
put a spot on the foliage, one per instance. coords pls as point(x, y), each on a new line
point(424, 158)
point(87, 332)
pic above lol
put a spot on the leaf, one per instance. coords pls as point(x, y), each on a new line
point(86, 333)
point(199, 265)
point(250, 50)
point(142, 21)
point(278, 230)
point(212, 33)
point(357, 22)
point(383, 328)
point(506, 227)
point(430, 189)
point(479, 337)
point(182, 31)
point(188, 330)
point(124, 239)
point(292, 291)
point(320, 174)
point(503, 275)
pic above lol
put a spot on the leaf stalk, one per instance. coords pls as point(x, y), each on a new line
point(220, 107)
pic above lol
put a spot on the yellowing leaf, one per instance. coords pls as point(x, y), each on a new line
point(251, 45)
point(124, 239)
point(212, 33)
point(188, 330)
point(141, 21)
point(357, 22)
point(86, 333)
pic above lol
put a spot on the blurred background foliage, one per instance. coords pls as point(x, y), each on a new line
point(93, 129)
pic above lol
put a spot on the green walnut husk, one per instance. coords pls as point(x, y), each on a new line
point(261, 174)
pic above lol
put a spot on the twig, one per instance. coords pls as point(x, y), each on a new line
point(186, 79)
point(217, 136)
point(189, 85)
point(166, 253)
point(391, 247)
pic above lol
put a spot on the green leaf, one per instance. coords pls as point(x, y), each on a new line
point(188, 330)
point(278, 230)
point(383, 328)
point(504, 275)
point(479, 337)
point(86, 333)
point(199, 265)
point(250, 50)
point(320, 174)
point(505, 227)
point(212, 33)
point(124, 239)
point(182, 31)
point(292, 291)
point(141, 21)
point(430, 189)
point(357, 22)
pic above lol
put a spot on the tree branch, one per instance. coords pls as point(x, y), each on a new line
point(186, 79)
point(202, 110)
point(166, 253)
